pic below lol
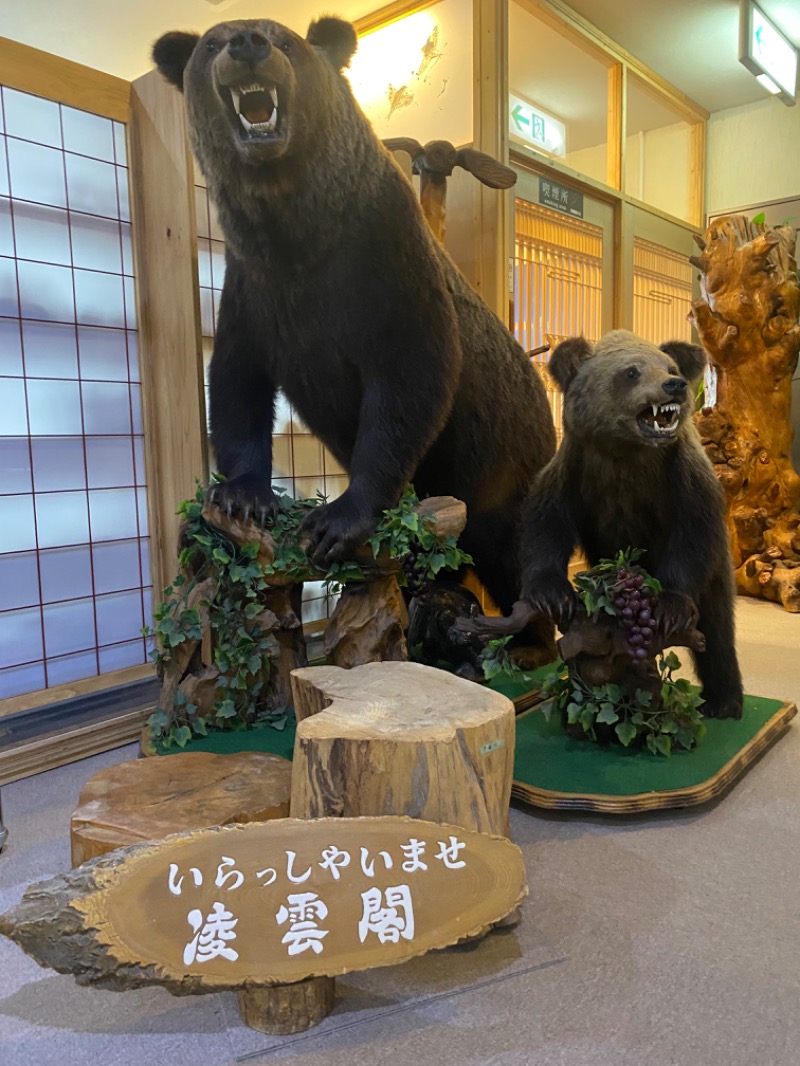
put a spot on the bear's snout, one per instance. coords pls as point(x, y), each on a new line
point(250, 46)
point(675, 387)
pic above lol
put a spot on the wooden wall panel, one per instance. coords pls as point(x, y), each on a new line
point(165, 250)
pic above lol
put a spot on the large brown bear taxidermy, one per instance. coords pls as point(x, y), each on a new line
point(336, 293)
point(631, 472)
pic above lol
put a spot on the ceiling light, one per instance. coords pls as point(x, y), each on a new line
point(767, 53)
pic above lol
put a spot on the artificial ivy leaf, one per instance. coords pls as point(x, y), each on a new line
point(182, 736)
point(179, 698)
point(643, 698)
point(663, 745)
point(607, 714)
point(227, 709)
point(651, 743)
point(626, 731)
point(671, 661)
point(574, 711)
point(669, 725)
point(254, 664)
point(587, 717)
point(685, 738)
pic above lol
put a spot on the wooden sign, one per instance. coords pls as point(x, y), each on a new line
point(268, 903)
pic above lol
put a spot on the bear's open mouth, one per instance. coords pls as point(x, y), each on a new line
point(659, 420)
point(256, 105)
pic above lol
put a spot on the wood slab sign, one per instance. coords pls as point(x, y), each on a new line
point(250, 906)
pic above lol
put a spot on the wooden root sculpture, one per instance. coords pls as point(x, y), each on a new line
point(435, 161)
point(748, 323)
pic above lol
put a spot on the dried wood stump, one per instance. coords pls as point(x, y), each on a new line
point(748, 322)
point(148, 799)
point(401, 738)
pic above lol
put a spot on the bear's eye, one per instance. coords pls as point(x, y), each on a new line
point(212, 46)
point(632, 373)
point(287, 46)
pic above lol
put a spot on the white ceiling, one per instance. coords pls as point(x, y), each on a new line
point(691, 43)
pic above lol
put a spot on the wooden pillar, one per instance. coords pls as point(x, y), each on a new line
point(617, 123)
point(165, 253)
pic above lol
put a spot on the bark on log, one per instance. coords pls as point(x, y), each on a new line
point(748, 322)
point(401, 738)
point(285, 1009)
point(148, 799)
point(368, 625)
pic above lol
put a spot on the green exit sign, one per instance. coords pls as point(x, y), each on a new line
point(535, 127)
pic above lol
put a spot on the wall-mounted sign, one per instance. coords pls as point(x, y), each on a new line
point(536, 127)
point(767, 53)
point(560, 197)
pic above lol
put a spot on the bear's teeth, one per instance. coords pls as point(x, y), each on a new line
point(260, 127)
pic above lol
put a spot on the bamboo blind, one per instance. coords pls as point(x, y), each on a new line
point(662, 293)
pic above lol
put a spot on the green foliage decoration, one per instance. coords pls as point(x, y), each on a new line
point(598, 587)
point(243, 651)
point(675, 721)
point(495, 661)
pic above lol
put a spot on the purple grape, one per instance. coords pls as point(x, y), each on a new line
point(627, 613)
point(645, 616)
point(641, 653)
point(647, 632)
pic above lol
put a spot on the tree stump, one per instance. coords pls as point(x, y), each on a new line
point(148, 799)
point(401, 738)
point(368, 625)
point(748, 322)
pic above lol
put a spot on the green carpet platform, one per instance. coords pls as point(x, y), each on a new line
point(553, 771)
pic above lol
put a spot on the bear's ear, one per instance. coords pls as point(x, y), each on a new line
point(565, 362)
point(172, 52)
point(336, 38)
point(691, 358)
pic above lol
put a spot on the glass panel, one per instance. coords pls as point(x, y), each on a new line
point(217, 263)
point(127, 250)
point(32, 118)
point(334, 486)
point(201, 211)
point(138, 459)
point(66, 573)
point(58, 463)
point(109, 461)
point(54, 407)
point(113, 514)
point(307, 455)
point(88, 134)
point(68, 627)
point(6, 229)
point(10, 351)
point(120, 656)
point(17, 527)
point(15, 465)
point(133, 356)
point(119, 617)
point(96, 243)
point(106, 408)
point(204, 262)
point(144, 550)
point(99, 298)
point(130, 303)
point(50, 350)
point(42, 233)
point(141, 507)
point(104, 355)
point(46, 292)
point(20, 636)
point(116, 566)
point(136, 408)
point(560, 79)
point(14, 422)
point(120, 147)
point(71, 668)
point(658, 151)
point(4, 189)
point(37, 173)
point(662, 293)
point(19, 581)
point(207, 312)
point(122, 195)
point(92, 186)
point(9, 301)
point(22, 679)
point(62, 518)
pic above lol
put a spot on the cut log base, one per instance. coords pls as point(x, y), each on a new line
point(280, 1010)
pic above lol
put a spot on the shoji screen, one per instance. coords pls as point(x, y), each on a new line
point(74, 567)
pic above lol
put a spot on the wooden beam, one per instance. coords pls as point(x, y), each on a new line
point(697, 174)
point(33, 71)
point(165, 252)
point(617, 123)
point(390, 13)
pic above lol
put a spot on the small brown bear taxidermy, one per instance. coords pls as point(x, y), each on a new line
point(337, 293)
point(631, 472)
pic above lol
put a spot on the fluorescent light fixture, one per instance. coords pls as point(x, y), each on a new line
point(767, 53)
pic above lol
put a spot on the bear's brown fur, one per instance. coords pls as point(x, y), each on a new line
point(337, 293)
point(628, 476)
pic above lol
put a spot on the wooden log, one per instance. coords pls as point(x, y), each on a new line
point(368, 625)
point(401, 738)
point(148, 799)
point(284, 1009)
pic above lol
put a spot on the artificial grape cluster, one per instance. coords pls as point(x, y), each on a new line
point(636, 608)
point(418, 581)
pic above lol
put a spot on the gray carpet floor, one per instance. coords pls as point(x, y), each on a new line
point(670, 939)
